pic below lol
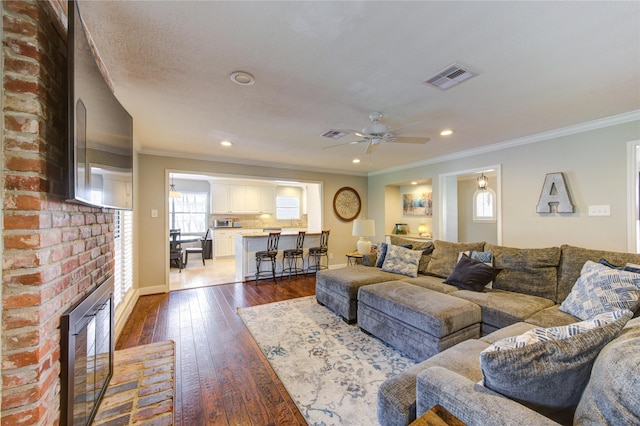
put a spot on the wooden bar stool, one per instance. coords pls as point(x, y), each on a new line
point(291, 257)
point(268, 255)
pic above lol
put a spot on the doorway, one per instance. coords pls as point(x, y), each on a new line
point(458, 198)
point(194, 207)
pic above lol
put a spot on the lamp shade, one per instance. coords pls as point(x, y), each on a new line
point(364, 228)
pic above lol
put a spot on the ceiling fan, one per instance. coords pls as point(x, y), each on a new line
point(378, 132)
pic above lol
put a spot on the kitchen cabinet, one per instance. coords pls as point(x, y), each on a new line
point(248, 199)
point(237, 199)
point(223, 242)
point(252, 199)
point(220, 198)
point(268, 199)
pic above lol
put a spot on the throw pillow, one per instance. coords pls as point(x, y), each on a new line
point(547, 369)
point(445, 256)
point(632, 267)
point(402, 260)
point(382, 253)
point(601, 289)
point(608, 264)
point(470, 274)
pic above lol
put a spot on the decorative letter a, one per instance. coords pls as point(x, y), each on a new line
point(554, 191)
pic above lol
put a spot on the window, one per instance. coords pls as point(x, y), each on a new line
point(287, 208)
point(188, 213)
point(123, 268)
point(484, 205)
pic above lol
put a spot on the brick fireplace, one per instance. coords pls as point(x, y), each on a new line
point(54, 252)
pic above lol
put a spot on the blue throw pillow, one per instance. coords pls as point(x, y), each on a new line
point(382, 253)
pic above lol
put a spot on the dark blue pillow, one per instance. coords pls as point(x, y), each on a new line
point(382, 253)
point(608, 264)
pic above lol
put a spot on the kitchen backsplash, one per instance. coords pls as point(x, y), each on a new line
point(259, 221)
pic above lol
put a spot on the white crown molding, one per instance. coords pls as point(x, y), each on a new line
point(525, 140)
point(174, 154)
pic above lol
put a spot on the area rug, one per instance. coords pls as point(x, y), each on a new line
point(332, 370)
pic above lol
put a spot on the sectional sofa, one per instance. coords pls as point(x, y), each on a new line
point(504, 353)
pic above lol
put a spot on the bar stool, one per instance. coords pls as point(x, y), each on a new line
point(316, 253)
point(291, 256)
point(268, 255)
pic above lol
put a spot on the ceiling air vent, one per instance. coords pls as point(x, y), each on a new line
point(449, 77)
point(333, 134)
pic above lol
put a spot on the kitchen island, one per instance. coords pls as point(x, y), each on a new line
point(246, 246)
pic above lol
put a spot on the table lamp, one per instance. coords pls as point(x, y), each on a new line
point(364, 228)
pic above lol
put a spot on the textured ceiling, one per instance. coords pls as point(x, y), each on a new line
point(327, 65)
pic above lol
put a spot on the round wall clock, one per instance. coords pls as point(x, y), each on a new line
point(347, 204)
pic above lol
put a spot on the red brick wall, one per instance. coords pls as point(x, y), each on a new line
point(54, 251)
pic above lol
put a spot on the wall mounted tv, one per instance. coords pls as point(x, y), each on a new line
point(100, 149)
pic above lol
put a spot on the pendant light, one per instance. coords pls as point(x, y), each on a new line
point(483, 182)
point(172, 190)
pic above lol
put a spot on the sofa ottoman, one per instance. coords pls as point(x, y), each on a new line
point(337, 289)
point(416, 321)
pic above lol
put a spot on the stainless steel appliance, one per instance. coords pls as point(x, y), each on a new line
point(223, 223)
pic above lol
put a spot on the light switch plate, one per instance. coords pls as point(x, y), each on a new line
point(154, 212)
point(600, 210)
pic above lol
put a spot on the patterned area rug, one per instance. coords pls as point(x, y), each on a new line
point(332, 370)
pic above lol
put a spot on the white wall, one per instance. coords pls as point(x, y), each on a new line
point(152, 191)
point(594, 163)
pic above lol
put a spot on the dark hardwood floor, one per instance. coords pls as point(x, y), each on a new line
point(222, 378)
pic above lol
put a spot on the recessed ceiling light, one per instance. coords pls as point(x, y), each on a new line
point(446, 132)
point(356, 161)
point(242, 78)
point(414, 183)
point(226, 143)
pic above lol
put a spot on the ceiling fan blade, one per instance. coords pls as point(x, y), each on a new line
point(343, 144)
point(409, 139)
point(401, 129)
point(371, 148)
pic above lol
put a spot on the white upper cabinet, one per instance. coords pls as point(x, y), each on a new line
point(268, 199)
point(237, 199)
point(226, 198)
point(220, 198)
point(252, 199)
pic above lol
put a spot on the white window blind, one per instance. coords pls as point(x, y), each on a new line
point(484, 205)
point(287, 208)
point(189, 212)
point(123, 257)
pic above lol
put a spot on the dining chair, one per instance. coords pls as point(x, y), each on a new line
point(196, 250)
point(175, 249)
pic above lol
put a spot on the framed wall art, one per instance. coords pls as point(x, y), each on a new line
point(418, 204)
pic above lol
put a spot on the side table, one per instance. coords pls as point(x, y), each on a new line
point(437, 416)
point(354, 258)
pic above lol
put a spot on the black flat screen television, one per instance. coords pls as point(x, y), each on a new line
point(100, 148)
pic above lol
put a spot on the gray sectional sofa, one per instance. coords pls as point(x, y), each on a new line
point(448, 329)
